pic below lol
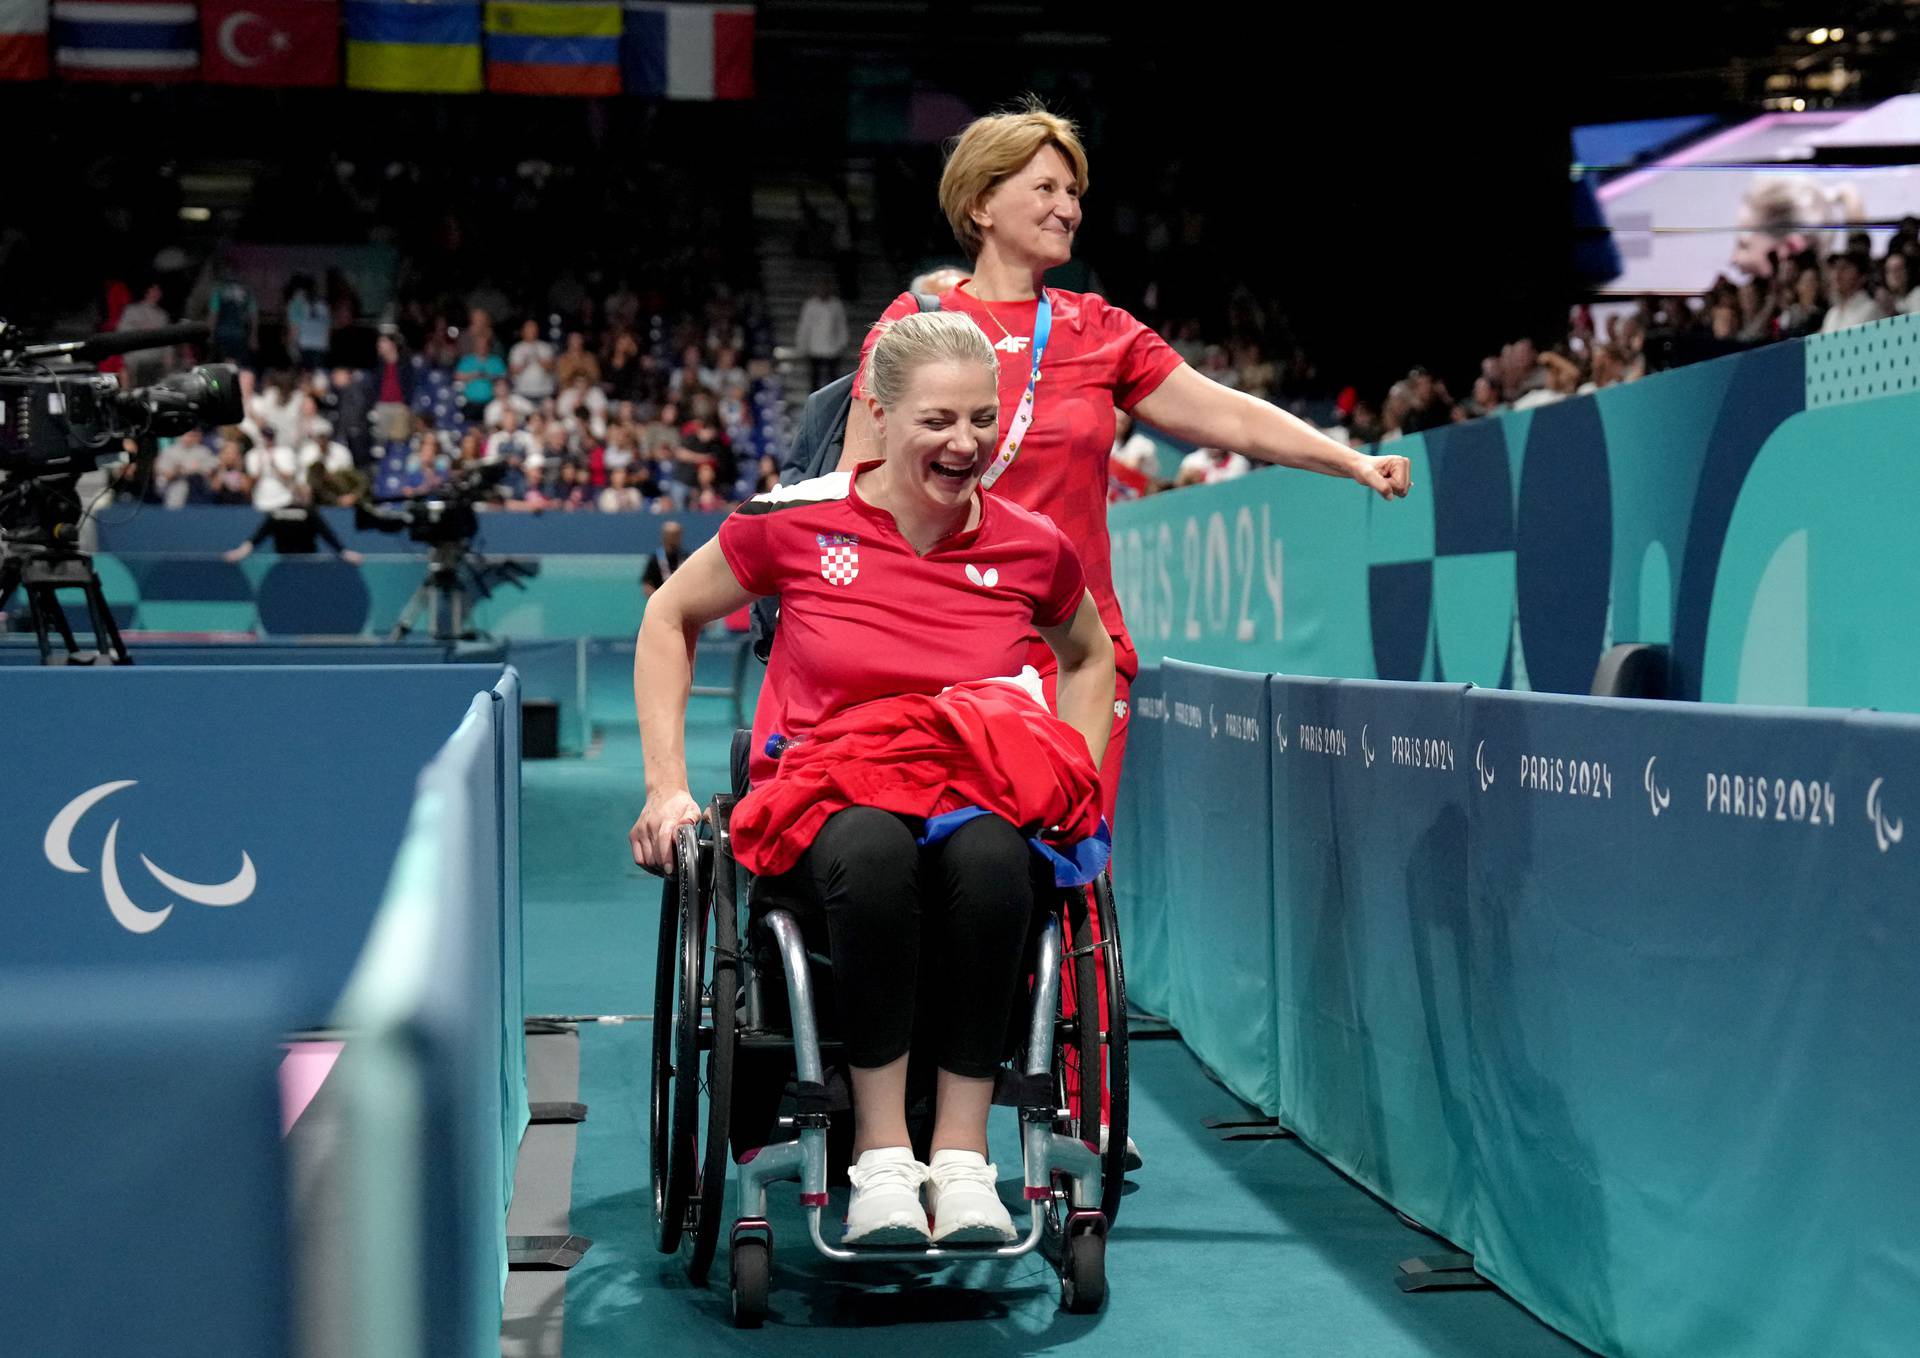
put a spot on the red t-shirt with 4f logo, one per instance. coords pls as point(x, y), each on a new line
point(864, 616)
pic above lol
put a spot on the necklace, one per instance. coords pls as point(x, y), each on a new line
point(996, 320)
point(1011, 342)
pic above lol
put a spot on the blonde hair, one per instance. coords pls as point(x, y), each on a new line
point(993, 149)
point(910, 343)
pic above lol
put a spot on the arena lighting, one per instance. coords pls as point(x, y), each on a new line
point(196, 214)
point(1836, 33)
point(1818, 36)
point(1799, 106)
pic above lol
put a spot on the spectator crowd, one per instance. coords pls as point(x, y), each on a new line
point(619, 403)
point(1792, 286)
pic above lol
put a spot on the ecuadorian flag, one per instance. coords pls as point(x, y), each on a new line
point(414, 46)
point(553, 47)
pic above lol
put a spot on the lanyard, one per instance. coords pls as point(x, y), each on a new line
point(1023, 417)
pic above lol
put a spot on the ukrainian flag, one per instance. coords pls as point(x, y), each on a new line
point(553, 47)
point(414, 46)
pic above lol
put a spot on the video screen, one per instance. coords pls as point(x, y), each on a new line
point(1668, 205)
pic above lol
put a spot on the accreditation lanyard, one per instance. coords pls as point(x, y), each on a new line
point(1023, 417)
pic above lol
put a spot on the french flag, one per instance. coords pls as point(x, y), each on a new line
point(688, 51)
point(126, 39)
point(23, 39)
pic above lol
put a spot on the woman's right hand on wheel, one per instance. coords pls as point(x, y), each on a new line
point(652, 834)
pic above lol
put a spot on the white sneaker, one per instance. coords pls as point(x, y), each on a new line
point(1133, 1160)
point(964, 1201)
point(885, 1207)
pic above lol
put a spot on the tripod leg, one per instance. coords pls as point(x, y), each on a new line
point(106, 632)
point(48, 617)
point(420, 597)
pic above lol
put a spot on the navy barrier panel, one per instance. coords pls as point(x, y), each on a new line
point(25, 650)
point(1219, 862)
point(1369, 831)
point(1619, 996)
point(140, 1150)
point(1693, 1020)
point(1140, 848)
point(1877, 1017)
point(152, 776)
point(203, 529)
point(553, 670)
point(506, 842)
point(423, 1101)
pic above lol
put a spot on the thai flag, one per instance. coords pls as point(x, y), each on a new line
point(688, 51)
point(23, 39)
point(126, 39)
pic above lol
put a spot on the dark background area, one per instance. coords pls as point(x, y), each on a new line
point(1395, 184)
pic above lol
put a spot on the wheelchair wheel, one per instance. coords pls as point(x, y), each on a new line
point(706, 1202)
point(1091, 1065)
point(752, 1276)
point(676, 1041)
point(1119, 1074)
point(1083, 1272)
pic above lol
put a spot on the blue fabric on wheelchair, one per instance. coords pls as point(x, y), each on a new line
point(1080, 864)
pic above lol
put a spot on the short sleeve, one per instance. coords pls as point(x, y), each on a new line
point(747, 542)
point(903, 305)
point(1066, 586)
point(1142, 360)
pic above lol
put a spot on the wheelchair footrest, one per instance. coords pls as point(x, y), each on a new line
point(1011, 1089)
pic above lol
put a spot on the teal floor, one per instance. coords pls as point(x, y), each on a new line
point(1250, 1247)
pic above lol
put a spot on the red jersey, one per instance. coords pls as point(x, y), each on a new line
point(864, 616)
point(1098, 358)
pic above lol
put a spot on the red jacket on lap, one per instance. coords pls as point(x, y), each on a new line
point(986, 744)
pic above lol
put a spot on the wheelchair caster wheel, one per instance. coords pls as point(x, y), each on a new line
point(1083, 1272)
point(752, 1267)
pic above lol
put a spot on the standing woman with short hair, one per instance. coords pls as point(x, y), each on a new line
point(1069, 361)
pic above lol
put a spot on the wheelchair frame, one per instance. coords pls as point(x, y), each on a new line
point(1072, 1183)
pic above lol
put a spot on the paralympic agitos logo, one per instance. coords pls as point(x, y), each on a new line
point(58, 846)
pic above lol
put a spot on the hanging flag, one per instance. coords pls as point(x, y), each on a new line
point(553, 47)
point(23, 39)
point(419, 46)
point(150, 40)
point(688, 51)
point(270, 42)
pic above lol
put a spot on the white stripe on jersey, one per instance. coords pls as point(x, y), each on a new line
point(832, 486)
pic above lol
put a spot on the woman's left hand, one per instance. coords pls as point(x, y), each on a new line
point(1390, 476)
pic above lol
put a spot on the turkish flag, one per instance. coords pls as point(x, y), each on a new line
point(270, 42)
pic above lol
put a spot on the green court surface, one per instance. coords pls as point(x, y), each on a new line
point(1227, 1247)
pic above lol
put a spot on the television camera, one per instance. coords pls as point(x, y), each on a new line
point(58, 419)
point(458, 577)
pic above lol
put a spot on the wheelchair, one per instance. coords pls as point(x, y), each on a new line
point(737, 1026)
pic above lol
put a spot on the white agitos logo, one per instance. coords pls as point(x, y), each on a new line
point(130, 916)
point(1480, 766)
point(1657, 795)
point(1887, 832)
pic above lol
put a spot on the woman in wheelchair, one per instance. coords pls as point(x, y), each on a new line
point(896, 581)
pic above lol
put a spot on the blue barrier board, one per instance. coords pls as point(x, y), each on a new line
point(214, 815)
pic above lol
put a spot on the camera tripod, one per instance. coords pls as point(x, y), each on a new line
point(38, 526)
point(43, 571)
point(445, 595)
point(457, 579)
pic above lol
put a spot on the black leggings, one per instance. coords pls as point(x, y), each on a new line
point(938, 934)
